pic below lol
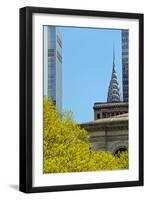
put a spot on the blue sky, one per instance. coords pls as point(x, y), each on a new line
point(87, 66)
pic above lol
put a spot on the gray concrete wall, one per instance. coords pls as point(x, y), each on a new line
point(108, 134)
point(111, 140)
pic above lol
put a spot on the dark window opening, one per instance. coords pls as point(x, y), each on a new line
point(98, 116)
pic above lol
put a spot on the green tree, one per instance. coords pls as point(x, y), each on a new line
point(67, 147)
point(122, 159)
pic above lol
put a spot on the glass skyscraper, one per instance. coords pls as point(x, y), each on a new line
point(52, 42)
point(125, 64)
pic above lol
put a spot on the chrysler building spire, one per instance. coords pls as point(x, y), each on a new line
point(114, 91)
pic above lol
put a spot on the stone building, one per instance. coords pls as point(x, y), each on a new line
point(105, 110)
point(109, 134)
point(109, 129)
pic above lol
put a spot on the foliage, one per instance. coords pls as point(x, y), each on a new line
point(122, 159)
point(67, 147)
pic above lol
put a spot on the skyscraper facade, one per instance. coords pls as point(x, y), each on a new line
point(52, 42)
point(125, 64)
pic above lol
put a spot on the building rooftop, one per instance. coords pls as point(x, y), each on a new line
point(110, 104)
point(117, 118)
